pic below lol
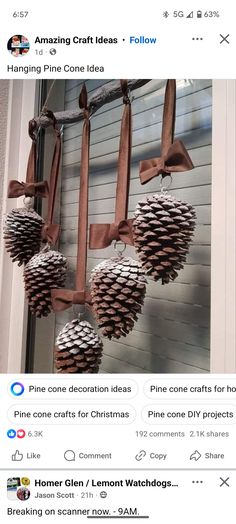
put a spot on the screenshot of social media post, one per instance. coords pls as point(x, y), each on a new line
point(117, 263)
point(120, 446)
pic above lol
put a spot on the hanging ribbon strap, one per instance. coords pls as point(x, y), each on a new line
point(50, 231)
point(29, 188)
point(174, 156)
point(102, 235)
point(64, 298)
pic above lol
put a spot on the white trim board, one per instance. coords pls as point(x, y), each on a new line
point(223, 350)
point(13, 309)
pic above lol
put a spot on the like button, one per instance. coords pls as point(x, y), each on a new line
point(17, 456)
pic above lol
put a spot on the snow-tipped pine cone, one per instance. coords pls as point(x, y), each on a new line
point(118, 287)
point(45, 271)
point(163, 228)
point(22, 234)
point(78, 348)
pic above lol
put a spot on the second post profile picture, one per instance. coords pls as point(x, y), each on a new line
point(18, 45)
point(18, 488)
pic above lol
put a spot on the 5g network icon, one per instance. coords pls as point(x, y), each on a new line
point(17, 389)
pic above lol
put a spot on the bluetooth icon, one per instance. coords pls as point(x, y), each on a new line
point(166, 14)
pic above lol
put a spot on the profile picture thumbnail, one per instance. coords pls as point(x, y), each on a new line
point(18, 45)
point(23, 493)
point(25, 481)
point(18, 488)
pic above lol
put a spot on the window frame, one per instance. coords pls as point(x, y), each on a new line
point(23, 99)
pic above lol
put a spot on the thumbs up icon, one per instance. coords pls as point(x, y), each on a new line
point(17, 456)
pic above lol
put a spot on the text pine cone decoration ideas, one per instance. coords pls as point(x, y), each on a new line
point(78, 348)
point(162, 229)
point(118, 287)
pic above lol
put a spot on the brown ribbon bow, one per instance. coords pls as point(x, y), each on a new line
point(102, 235)
point(50, 232)
point(31, 189)
point(174, 156)
point(176, 160)
point(65, 298)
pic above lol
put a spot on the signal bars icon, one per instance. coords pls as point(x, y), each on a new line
point(191, 15)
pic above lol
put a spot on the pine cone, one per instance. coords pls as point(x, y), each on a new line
point(22, 234)
point(162, 229)
point(44, 271)
point(118, 287)
point(78, 348)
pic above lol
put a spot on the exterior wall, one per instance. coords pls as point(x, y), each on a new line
point(172, 334)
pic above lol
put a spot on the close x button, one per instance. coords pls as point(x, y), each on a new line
point(224, 39)
point(224, 482)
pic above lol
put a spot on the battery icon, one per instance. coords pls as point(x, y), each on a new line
point(199, 14)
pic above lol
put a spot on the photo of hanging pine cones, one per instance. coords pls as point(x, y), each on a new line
point(118, 287)
point(78, 348)
point(22, 234)
point(163, 228)
point(45, 271)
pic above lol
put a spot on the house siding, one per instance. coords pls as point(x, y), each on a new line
point(172, 333)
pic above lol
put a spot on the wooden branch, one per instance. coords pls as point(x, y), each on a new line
point(102, 95)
